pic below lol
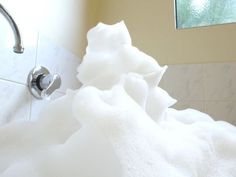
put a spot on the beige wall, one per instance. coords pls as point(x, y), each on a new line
point(152, 27)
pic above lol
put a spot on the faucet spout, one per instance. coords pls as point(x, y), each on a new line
point(18, 47)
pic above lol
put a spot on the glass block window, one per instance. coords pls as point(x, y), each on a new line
point(193, 13)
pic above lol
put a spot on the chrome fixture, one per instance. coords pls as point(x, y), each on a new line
point(18, 47)
point(41, 83)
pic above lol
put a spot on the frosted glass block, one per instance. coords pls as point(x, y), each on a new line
point(194, 13)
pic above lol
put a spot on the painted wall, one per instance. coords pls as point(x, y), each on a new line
point(152, 26)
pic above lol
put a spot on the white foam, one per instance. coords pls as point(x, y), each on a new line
point(118, 124)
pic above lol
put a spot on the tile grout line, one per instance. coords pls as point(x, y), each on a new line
point(36, 55)
point(204, 87)
point(13, 82)
point(30, 113)
point(204, 63)
point(35, 63)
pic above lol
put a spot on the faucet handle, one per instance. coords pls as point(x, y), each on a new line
point(41, 83)
point(51, 82)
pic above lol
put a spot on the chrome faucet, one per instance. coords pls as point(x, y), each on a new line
point(18, 47)
point(41, 83)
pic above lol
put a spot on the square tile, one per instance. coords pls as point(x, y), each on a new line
point(198, 105)
point(220, 81)
point(222, 110)
point(39, 105)
point(58, 60)
point(15, 102)
point(184, 82)
point(15, 67)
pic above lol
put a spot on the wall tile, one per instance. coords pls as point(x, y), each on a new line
point(39, 105)
point(220, 81)
point(210, 88)
point(198, 105)
point(58, 60)
point(15, 102)
point(222, 110)
point(15, 67)
point(184, 82)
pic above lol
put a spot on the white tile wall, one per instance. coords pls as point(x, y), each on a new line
point(58, 60)
point(199, 105)
point(15, 67)
point(38, 105)
point(16, 103)
point(186, 82)
point(222, 110)
point(220, 81)
point(210, 88)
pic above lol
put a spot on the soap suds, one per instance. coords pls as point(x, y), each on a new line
point(118, 124)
